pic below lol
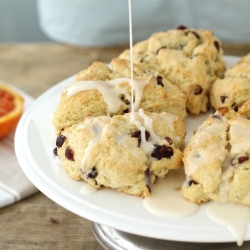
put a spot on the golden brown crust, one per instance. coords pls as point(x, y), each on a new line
point(190, 59)
point(232, 91)
point(217, 159)
point(72, 109)
point(244, 110)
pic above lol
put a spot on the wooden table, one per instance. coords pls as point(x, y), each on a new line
point(36, 222)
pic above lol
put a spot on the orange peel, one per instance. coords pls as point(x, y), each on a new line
point(11, 109)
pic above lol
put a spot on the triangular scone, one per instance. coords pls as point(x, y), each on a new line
point(190, 59)
point(115, 152)
point(216, 160)
point(234, 90)
point(101, 90)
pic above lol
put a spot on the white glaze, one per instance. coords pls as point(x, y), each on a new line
point(101, 126)
point(169, 119)
point(166, 200)
point(131, 57)
point(239, 135)
point(110, 94)
point(98, 126)
point(147, 146)
point(148, 124)
point(226, 175)
point(137, 88)
point(94, 122)
point(131, 146)
point(234, 216)
point(143, 123)
point(88, 189)
point(58, 160)
point(203, 150)
point(112, 90)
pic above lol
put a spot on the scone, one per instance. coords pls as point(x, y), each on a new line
point(216, 160)
point(101, 90)
point(234, 89)
point(123, 152)
point(190, 59)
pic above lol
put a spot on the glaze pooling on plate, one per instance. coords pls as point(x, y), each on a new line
point(166, 200)
point(234, 216)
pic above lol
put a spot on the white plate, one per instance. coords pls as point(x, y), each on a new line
point(34, 144)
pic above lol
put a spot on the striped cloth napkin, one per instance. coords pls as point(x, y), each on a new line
point(14, 185)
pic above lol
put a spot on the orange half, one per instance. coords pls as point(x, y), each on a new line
point(11, 109)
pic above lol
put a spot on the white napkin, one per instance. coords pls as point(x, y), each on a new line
point(14, 185)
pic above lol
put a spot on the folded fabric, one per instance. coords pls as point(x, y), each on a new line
point(14, 185)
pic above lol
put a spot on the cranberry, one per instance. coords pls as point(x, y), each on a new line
point(194, 33)
point(159, 81)
point(217, 117)
point(61, 131)
point(198, 90)
point(124, 100)
point(162, 151)
point(192, 182)
point(239, 160)
point(223, 98)
point(147, 179)
point(163, 47)
point(137, 134)
point(217, 45)
point(242, 159)
point(60, 140)
point(180, 47)
point(69, 154)
point(55, 151)
point(181, 27)
point(232, 162)
point(169, 140)
point(125, 111)
point(236, 108)
point(147, 134)
point(93, 173)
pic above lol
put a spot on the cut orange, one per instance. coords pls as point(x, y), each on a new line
point(11, 109)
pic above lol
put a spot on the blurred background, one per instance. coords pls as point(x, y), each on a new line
point(19, 22)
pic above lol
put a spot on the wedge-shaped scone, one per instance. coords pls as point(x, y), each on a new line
point(234, 90)
point(217, 162)
point(123, 152)
point(101, 90)
point(190, 59)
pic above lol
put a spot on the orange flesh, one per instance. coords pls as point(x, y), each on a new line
point(6, 102)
